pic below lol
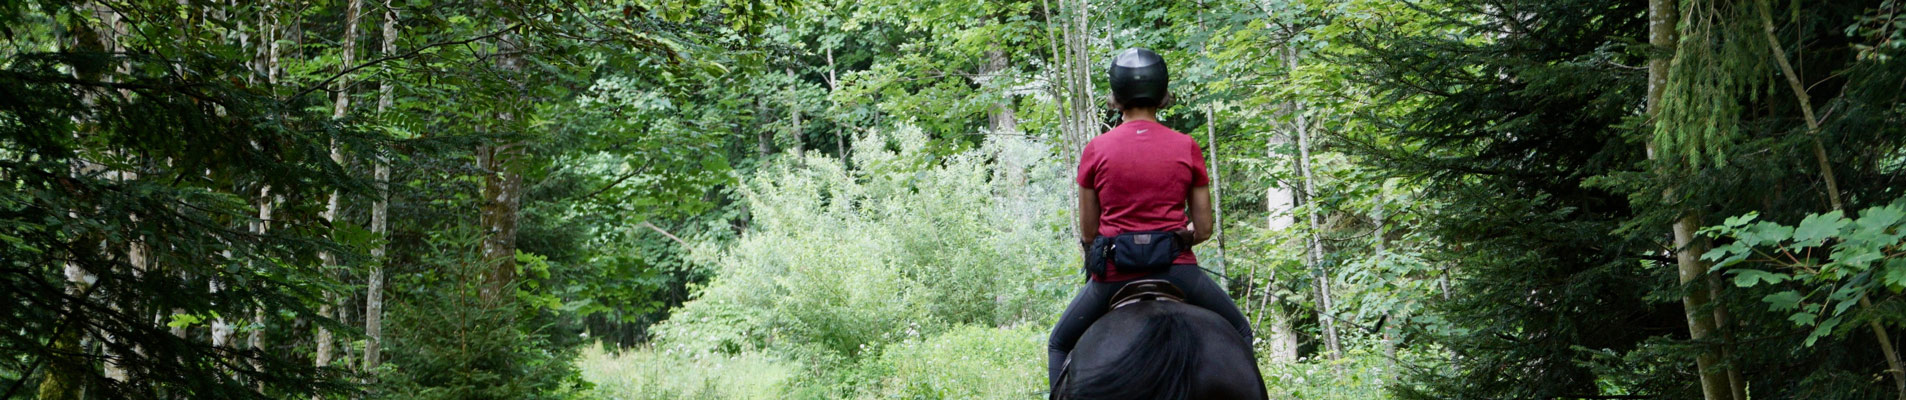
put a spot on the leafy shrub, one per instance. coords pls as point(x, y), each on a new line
point(839, 261)
point(644, 373)
point(969, 362)
point(1360, 375)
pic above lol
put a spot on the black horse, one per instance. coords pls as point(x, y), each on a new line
point(1161, 349)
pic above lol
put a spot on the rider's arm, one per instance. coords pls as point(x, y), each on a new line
point(1201, 219)
point(1088, 216)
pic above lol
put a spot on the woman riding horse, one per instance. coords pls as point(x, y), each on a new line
point(1136, 180)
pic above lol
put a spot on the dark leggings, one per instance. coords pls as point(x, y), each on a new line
point(1092, 303)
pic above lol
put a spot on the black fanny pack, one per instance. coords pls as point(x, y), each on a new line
point(1137, 252)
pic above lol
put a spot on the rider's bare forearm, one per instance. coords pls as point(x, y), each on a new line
point(1088, 216)
point(1202, 221)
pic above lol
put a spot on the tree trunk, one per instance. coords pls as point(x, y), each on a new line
point(1279, 206)
point(1382, 245)
point(1314, 258)
point(380, 215)
point(1074, 84)
point(117, 27)
point(502, 185)
point(1688, 249)
point(1736, 383)
point(1001, 120)
point(256, 340)
point(501, 202)
point(764, 138)
point(795, 131)
point(1217, 203)
point(67, 369)
point(339, 108)
point(833, 86)
point(266, 201)
point(1442, 286)
point(1082, 71)
point(1714, 383)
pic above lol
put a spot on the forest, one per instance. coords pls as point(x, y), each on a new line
point(781, 199)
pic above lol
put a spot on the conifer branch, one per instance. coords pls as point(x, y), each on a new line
point(413, 52)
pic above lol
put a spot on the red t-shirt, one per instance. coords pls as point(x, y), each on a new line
point(1143, 172)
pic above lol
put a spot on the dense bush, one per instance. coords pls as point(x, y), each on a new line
point(969, 362)
point(838, 261)
point(643, 373)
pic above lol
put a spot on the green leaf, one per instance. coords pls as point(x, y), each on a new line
point(1840, 309)
point(1750, 277)
point(1815, 229)
point(1880, 218)
point(1720, 252)
point(1894, 274)
point(1784, 301)
point(1826, 327)
point(1855, 257)
point(1803, 318)
point(1766, 233)
point(184, 320)
point(1741, 220)
point(1731, 254)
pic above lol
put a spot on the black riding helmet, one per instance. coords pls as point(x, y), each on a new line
point(1139, 78)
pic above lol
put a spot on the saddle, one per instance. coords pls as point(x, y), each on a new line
point(1146, 290)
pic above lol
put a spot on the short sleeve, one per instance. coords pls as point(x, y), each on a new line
point(1199, 177)
point(1088, 167)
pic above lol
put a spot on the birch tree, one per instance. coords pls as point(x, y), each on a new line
point(1314, 254)
point(380, 211)
point(339, 108)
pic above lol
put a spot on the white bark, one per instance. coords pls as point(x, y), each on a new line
point(1001, 120)
point(339, 108)
point(794, 113)
point(380, 218)
point(256, 340)
point(115, 28)
point(1073, 84)
point(1279, 206)
point(1314, 259)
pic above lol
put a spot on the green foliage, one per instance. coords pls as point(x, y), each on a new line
point(967, 362)
point(1359, 375)
point(646, 374)
point(1834, 263)
point(839, 262)
point(1719, 67)
point(455, 343)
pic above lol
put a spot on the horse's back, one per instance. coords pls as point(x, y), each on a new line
point(1219, 364)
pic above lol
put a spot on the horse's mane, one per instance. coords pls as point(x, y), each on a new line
point(1157, 365)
